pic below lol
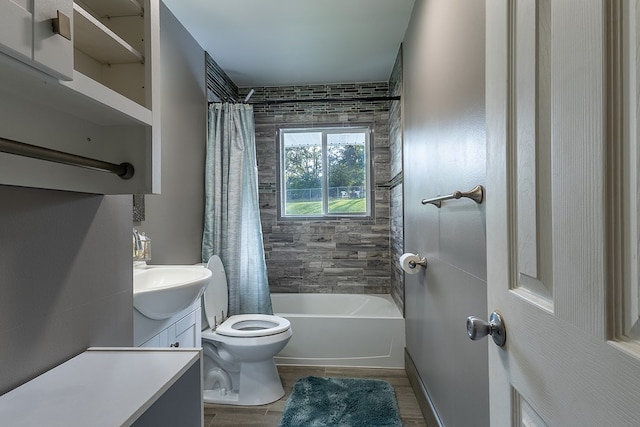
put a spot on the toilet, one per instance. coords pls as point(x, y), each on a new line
point(238, 365)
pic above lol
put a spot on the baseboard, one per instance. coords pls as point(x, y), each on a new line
point(424, 401)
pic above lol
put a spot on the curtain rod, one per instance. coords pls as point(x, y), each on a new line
point(123, 170)
point(364, 98)
point(309, 100)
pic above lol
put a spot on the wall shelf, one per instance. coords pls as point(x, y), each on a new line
point(94, 39)
point(103, 98)
point(82, 97)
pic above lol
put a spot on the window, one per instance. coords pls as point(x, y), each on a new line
point(324, 172)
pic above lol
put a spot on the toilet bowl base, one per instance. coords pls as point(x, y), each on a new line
point(259, 385)
point(218, 396)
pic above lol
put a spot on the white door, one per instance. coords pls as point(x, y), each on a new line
point(562, 211)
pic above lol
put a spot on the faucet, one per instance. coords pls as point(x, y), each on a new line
point(141, 246)
point(137, 244)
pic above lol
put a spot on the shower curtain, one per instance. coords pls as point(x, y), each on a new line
point(232, 228)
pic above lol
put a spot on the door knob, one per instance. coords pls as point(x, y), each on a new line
point(478, 328)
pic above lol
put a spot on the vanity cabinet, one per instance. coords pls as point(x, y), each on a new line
point(100, 102)
point(183, 330)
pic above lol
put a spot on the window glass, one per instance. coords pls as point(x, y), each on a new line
point(302, 173)
point(347, 173)
point(324, 172)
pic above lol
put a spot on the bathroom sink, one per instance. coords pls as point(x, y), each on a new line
point(161, 291)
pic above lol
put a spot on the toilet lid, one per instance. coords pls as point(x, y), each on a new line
point(253, 325)
point(215, 297)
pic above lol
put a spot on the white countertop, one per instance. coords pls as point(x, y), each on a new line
point(100, 387)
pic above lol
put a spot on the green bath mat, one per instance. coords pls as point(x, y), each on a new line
point(341, 402)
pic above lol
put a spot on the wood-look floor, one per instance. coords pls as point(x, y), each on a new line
point(269, 415)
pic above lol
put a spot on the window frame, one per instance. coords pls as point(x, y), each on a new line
point(326, 129)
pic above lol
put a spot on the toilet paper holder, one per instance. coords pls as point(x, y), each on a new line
point(422, 262)
point(410, 261)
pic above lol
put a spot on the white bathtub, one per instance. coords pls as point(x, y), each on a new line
point(341, 330)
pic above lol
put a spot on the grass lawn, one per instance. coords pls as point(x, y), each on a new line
point(350, 206)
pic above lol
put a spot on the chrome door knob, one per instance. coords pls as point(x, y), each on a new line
point(478, 328)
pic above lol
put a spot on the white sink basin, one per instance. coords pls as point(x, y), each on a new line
point(161, 291)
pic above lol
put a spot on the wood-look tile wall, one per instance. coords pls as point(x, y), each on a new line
point(396, 231)
point(330, 256)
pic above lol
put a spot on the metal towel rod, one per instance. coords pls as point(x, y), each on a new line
point(123, 170)
point(476, 194)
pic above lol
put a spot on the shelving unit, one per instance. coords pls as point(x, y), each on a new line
point(108, 110)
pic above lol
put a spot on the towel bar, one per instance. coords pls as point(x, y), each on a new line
point(123, 170)
point(476, 194)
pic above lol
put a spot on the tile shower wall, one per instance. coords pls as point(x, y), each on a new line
point(330, 256)
point(219, 85)
point(396, 187)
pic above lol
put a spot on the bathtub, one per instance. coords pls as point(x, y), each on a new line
point(341, 330)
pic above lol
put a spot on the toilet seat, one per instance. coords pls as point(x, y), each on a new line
point(253, 325)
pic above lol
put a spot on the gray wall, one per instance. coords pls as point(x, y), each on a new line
point(65, 278)
point(444, 150)
point(331, 256)
point(174, 218)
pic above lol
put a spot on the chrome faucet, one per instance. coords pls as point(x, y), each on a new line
point(141, 246)
point(137, 243)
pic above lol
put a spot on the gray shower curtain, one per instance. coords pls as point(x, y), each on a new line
point(232, 228)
